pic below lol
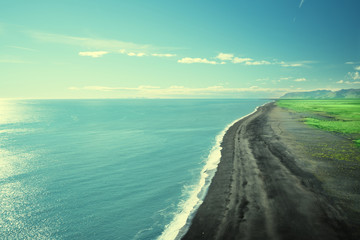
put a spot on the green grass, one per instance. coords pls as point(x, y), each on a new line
point(341, 109)
point(341, 115)
point(336, 126)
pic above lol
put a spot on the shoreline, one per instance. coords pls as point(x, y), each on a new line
point(184, 219)
point(266, 187)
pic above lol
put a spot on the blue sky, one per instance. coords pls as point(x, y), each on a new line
point(177, 49)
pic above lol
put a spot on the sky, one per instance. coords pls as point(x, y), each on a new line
point(177, 49)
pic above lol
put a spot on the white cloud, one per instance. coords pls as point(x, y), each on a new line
point(291, 64)
point(356, 76)
point(257, 63)
point(357, 68)
point(295, 64)
point(241, 60)
point(134, 49)
point(300, 80)
point(250, 61)
point(356, 82)
point(353, 75)
point(95, 54)
point(352, 78)
point(225, 56)
point(163, 55)
point(196, 60)
point(132, 54)
point(340, 81)
point(301, 3)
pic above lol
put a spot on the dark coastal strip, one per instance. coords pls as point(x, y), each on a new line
point(264, 187)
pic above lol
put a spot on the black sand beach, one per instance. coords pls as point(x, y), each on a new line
point(274, 182)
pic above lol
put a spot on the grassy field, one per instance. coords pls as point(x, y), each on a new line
point(334, 160)
point(341, 115)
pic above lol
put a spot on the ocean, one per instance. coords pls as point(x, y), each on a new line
point(108, 169)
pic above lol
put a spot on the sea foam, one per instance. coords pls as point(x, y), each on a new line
point(177, 228)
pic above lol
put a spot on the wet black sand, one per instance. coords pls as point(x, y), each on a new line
point(275, 182)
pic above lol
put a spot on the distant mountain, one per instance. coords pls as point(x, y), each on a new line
point(324, 94)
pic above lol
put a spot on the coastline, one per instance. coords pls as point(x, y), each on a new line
point(181, 223)
point(267, 185)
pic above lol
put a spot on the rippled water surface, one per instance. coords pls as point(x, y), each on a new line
point(104, 169)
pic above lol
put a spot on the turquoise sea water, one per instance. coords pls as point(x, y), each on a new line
point(106, 169)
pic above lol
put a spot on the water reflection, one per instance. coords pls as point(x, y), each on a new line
point(21, 192)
